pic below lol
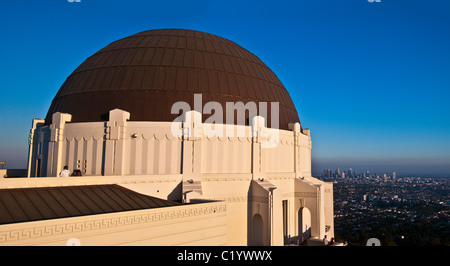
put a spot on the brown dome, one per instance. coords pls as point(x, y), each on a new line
point(147, 72)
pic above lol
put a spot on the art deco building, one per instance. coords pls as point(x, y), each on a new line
point(144, 184)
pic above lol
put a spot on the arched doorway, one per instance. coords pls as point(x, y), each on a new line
point(304, 224)
point(258, 231)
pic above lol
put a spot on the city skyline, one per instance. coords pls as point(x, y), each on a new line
point(402, 169)
point(353, 173)
point(370, 79)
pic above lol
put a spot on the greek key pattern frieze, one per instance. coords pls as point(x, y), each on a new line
point(305, 194)
point(235, 199)
point(300, 195)
point(58, 229)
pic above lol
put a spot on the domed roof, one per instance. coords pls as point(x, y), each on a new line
point(145, 73)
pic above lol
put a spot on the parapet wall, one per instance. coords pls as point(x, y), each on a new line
point(120, 147)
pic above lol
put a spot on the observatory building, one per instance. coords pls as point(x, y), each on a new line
point(182, 138)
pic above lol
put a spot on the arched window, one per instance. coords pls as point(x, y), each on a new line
point(304, 224)
point(258, 231)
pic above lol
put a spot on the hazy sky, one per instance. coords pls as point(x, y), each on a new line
point(371, 80)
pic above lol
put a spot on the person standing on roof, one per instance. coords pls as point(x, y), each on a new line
point(65, 172)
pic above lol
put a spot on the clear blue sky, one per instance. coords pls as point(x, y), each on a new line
point(371, 80)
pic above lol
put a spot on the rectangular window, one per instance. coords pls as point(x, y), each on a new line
point(38, 168)
point(85, 166)
point(285, 221)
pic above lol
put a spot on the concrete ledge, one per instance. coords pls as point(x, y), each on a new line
point(85, 180)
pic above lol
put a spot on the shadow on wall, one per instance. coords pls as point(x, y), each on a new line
point(177, 193)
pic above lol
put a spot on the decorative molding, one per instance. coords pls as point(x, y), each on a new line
point(264, 200)
point(305, 194)
point(97, 224)
point(279, 176)
point(225, 179)
point(228, 139)
point(300, 195)
point(230, 199)
point(243, 198)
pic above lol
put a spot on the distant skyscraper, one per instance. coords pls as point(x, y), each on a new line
point(394, 175)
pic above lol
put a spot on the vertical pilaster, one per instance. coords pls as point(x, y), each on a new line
point(34, 125)
point(260, 136)
point(115, 142)
point(192, 145)
point(276, 210)
point(295, 127)
point(308, 147)
point(55, 146)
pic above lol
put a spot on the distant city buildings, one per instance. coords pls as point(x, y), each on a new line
point(398, 210)
point(350, 173)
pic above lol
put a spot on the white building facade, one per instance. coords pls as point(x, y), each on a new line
point(112, 120)
point(271, 197)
